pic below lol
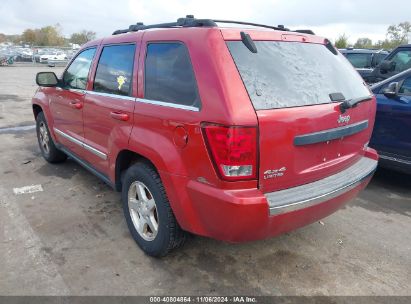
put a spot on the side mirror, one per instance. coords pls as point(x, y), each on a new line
point(47, 79)
point(386, 66)
point(392, 90)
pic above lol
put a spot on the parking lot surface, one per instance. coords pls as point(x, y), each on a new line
point(72, 239)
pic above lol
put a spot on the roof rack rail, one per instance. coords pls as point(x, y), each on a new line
point(310, 32)
point(190, 21)
point(278, 28)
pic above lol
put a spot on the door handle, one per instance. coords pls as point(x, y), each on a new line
point(76, 105)
point(119, 116)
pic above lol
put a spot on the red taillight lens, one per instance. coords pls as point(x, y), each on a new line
point(233, 150)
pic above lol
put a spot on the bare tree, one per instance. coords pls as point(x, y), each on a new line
point(398, 34)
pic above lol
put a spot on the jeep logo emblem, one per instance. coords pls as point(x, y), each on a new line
point(343, 119)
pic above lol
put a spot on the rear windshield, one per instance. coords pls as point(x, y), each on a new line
point(294, 74)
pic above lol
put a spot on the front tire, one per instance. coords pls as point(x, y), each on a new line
point(148, 214)
point(48, 148)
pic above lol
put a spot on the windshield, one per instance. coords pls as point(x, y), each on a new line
point(293, 74)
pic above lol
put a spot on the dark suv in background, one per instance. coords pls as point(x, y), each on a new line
point(364, 60)
point(396, 62)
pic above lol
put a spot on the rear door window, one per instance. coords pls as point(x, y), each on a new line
point(114, 74)
point(169, 75)
point(293, 74)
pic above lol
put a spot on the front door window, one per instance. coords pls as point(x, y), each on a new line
point(75, 77)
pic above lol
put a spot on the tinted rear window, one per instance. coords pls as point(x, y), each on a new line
point(293, 74)
point(169, 75)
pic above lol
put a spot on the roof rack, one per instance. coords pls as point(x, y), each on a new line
point(190, 21)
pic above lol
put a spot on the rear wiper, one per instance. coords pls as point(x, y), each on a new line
point(350, 103)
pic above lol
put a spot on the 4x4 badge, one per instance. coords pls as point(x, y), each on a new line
point(343, 119)
point(274, 173)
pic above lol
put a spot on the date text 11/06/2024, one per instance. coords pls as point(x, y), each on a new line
point(204, 299)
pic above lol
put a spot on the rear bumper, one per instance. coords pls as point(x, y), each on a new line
point(323, 190)
point(249, 214)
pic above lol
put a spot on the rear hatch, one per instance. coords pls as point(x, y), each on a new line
point(296, 89)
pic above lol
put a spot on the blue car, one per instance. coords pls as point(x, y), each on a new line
point(392, 131)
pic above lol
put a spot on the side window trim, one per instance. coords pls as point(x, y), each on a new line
point(130, 93)
point(168, 104)
point(89, 70)
point(132, 98)
point(163, 103)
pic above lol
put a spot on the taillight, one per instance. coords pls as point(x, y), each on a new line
point(233, 150)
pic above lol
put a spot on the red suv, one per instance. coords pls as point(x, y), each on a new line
point(232, 133)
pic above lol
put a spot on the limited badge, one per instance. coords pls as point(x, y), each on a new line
point(121, 80)
point(273, 173)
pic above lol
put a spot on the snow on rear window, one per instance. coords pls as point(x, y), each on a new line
point(292, 74)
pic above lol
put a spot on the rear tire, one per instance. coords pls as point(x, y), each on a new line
point(147, 210)
point(48, 148)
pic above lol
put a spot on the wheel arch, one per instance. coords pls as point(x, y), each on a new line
point(126, 158)
point(177, 199)
point(40, 104)
point(37, 109)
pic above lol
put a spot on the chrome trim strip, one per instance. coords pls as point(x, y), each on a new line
point(95, 151)
point(111, 95)
point(70, 138)
point(148, 101)
point(361, 170)
point(166, 104)
point(82, 144)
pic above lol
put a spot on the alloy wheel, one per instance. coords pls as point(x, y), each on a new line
point(143, 210)
point(44, 137)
